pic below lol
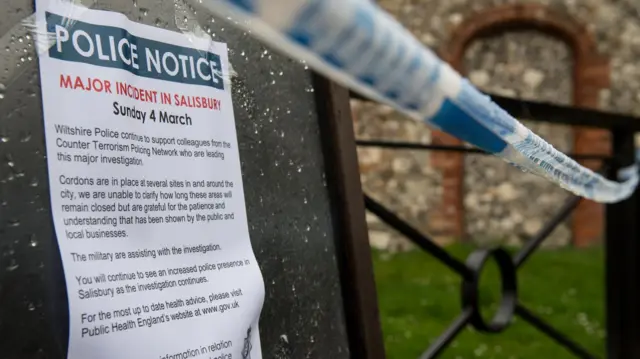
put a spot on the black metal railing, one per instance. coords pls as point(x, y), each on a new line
point(622, 242)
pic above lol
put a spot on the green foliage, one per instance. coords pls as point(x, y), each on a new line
point(419, 297)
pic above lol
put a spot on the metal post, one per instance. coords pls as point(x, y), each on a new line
point(623, 261)
point(352, 248)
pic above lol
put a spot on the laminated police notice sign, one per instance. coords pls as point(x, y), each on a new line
point(146, 190)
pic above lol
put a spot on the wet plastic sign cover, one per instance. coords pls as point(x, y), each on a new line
point(146, 190)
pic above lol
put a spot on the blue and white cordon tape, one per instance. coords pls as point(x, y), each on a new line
point(357, 44)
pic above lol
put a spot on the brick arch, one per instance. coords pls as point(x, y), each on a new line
point(590, 75)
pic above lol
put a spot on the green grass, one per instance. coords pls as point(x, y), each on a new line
point(418, 298)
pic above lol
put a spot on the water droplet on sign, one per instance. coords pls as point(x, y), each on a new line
point(34, 182)
point(31, 307)
point(13, 265)
point(13, 222)
point(33, 242)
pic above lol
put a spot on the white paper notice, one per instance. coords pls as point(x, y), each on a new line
point(146, 190)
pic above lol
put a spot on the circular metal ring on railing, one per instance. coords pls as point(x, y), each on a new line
point(471, 294)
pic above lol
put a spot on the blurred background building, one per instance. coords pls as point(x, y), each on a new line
point(572, 52)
